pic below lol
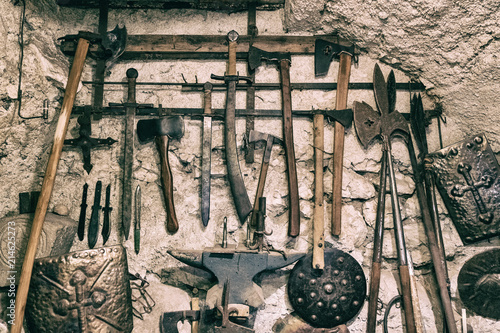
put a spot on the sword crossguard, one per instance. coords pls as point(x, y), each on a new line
point(227, 78)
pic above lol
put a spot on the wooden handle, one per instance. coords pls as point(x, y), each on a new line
point(207, 98)
point(259, 193)
point(373, 300)
point(162, 143)
point(319, 209)
point(404, 276)
point(48, 182)
point(338, 147)
point(231, 64)
point(286, 100)
point(195, 305)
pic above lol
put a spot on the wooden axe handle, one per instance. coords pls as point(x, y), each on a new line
point(48, 182)
point(319, 209)
point(162, 143)
point(338, 147)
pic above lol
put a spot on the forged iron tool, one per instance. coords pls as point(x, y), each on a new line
point(323, 55)
point(206, 156)
point(238, 190)
point(94, 217)
point(227, 325)
point(106, 225)
point(270, 141)
point(371, 125)
point(128, 153)
point(255, 57)
point(428, 207)
point(163, 130)
point(83, 213)
point(84, 40)
point(137, 220)
point(169, 320)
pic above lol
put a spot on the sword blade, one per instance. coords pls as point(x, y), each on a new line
point(137, 223)
point(106, 228)
point(83, 212)
point(206, 170)
point(94, 218)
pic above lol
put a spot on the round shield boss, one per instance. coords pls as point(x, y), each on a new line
point(329, 297)
point(479, 284)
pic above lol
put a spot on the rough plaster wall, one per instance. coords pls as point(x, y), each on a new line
point(25, 144)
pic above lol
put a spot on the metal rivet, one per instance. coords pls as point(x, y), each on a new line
point(343, 298)
point(312, 282)
point(102, 251)
point(453, 151)
point(344, 282)
point(358, 278)
point(334, 306)
point(320, 304)
point(75, 255)
point(355, 303)
point(478, 140)
point(336, 272)
point(300, 300)
point(313, 295)
point(314, 318)
point(301, 275)
point(328, 288)
point(337, 318)
point(341, 260)
point(470, 145)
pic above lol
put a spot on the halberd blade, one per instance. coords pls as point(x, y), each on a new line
point(380, 90)
point(367, 122)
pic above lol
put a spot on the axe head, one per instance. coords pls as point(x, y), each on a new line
point(169, 320)
point(256, 56)
point(115, 42)
point(147, 129)
point(255, 136)
point(367, 122)
point(324, 52)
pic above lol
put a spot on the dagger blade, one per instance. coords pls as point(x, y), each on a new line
point(94, 218)
point(83, 212)
point(106, 228)
point(137, 222)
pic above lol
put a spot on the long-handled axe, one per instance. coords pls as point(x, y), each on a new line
point(255, 57)
point(84, 40)
point(324, 53)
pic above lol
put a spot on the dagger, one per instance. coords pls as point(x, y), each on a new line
point(94, 218)
point(106, 230)
point(206, 154)
point(83, 211)
point(137, 223)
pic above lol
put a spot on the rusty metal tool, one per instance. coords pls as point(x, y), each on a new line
point(255, 57)
point(270, 141)
point(128, 152)
point(370, 125)
point(106, 225)
point(137, 220)
point(169, 320)
point(231, 78)
point(84, 40)
point(206, 156)
point(83, 213)
point(428, 208)
point(324, 53)
point(94, 217)
point(163, 130)
point(227, 325)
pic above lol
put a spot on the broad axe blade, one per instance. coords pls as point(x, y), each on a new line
point(147, 129)
point(256, 56)
point(367, 122)
point(342, 116)
point(115, 42)
point(255, 136)
point(324, 52)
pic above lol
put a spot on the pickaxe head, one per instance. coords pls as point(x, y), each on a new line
point(256, 56)
point(259, 136)
point(173, 127)
point(169, 320)
point(324, 52)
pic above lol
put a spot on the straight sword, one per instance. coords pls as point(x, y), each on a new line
point(206, 158)
point(94, 218)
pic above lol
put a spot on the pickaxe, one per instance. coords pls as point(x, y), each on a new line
point(324, 53)
point(163, 130)
point(370, 125)
point(84, 40)
point(255, 57)
point(270, 141)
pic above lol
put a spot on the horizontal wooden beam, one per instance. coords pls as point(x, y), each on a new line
point(143, 47)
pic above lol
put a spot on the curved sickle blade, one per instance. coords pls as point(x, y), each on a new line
point(380, 90)
point(367, 122)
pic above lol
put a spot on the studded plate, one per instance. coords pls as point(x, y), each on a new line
point(330, 297)
point(479, 284)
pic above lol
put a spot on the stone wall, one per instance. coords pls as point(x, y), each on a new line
point(451, 48)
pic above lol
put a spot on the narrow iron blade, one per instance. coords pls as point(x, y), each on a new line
point(391, 92)
point(94, 218)
point(206, 170)
point(137, 222)
point(83, 213)
point(106, 227)
point(380, 90)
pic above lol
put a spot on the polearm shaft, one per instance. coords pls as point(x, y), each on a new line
point(128, 159)
point(48, 181)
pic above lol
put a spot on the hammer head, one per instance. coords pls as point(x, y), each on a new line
point(173, 127)
point(259, 136)
point(325, 52)
point(255, 57)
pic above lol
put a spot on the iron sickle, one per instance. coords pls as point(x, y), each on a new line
point(255, 57)
point(238, 190)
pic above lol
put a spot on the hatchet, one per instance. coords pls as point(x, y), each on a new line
point(163, 130)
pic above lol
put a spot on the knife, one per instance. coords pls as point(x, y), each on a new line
point(94, 217)
point(106, 228)
point(137, 222)
point(83, 212)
